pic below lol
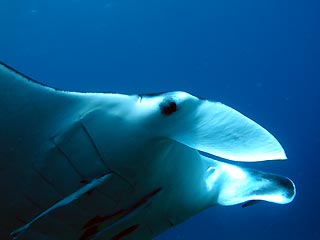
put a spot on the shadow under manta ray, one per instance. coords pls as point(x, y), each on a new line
point(111, 166)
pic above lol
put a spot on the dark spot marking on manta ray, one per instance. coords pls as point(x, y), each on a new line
point(121, 213)
point(144, 199)
point(90, 232)
point(99, 219)
point(125, 232)
point(168, 107)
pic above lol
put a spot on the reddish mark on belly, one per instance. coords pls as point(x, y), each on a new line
point(122, 212)
point(125, 232)
point(91, 228)
point(89, 233)
point(98, 219)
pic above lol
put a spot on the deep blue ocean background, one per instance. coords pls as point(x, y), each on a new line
point(262, 57)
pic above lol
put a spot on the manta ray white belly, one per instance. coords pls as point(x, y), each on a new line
point(110, 166)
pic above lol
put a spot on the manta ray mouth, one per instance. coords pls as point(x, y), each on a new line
point(234, 184)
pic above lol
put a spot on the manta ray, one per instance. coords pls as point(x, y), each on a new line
point(100, 166)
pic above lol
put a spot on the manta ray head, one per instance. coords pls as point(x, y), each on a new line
point(219, 130)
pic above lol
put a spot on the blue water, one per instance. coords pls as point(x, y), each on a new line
point(260, 57)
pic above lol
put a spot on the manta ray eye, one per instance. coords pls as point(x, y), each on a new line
point(168, 107)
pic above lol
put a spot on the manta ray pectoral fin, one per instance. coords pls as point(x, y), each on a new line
point(232, 185)
point(217, 129)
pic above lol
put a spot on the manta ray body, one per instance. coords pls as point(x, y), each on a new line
point(112, 166)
